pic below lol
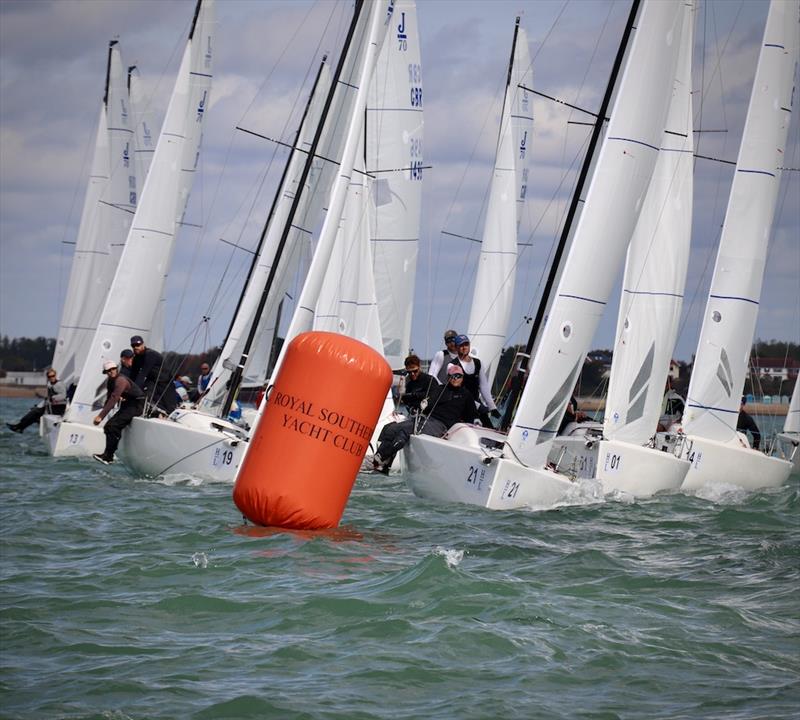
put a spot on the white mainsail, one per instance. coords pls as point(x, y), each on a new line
point(726, 337)
point(622, 174)
point(655, 271)
point(394, 152)
point(792, 422)
point(135, 292)
point(494, 284)
point(105, 219)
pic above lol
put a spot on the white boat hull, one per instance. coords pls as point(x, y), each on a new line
point(187, 442)
point(460, 469)
point(713, 462)
point(620, 466)
point(638, 471)
point(64, 438)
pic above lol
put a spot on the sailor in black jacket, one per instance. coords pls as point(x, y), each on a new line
point(447, 405)
point(144, 371)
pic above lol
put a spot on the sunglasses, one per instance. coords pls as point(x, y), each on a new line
point(412, 371)
point(456, 376)
point(137, 345)
point(51, 377)
point(450, 339)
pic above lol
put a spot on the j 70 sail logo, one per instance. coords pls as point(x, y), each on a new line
point(126, 155)
point(402, 35)
point(201, 108)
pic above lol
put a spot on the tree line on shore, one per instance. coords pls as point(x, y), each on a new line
point(35, 354)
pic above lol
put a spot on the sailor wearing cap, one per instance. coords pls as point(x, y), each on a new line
point(130, 397)
point(438, 367)
point(475, 381)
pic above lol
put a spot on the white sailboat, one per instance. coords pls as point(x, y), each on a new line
point(494, 285)
point(483, 467)
point(107, 212)
point(207, 445)
point(135, 292)
point(201, 441)
point(622, 453)
point(716, 451)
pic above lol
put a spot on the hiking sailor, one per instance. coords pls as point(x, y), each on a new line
point(448, 404)
point(131, 404)
point(55, 403)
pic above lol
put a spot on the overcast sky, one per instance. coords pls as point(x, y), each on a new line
point(52, 71)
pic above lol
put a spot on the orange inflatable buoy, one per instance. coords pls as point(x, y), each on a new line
point(308, 445)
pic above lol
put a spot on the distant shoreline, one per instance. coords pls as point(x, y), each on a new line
point(753, 408)
point(18, 391)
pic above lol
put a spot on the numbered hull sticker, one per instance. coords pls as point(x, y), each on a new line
point(75, 439)
point(475, 477)
point(223, 457)
point(613, 462)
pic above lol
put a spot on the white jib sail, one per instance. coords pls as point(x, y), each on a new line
point(305, 219)
point(655, 271)
point(104, 223)
point(378, 22)
point(394, 159)
point(622, 174)
point(726, 337)
point(792, 422)
point(494, 284)
point(143, 128)
point(135, 292)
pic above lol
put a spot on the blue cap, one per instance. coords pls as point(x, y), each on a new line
point(462, 340)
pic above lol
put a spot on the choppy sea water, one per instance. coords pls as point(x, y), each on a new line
point(129, 598)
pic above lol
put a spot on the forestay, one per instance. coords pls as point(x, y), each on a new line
point(729, 322)
point(622, 174)
point(135, 292)
point(655, 271)
point(494, 284)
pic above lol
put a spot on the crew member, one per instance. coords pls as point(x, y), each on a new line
point(55, 403)
point(448, 404)
point(475, 381)
point(438, 366)
point(130, 397)
point(418, 385)
point(146, 372)
point(745, 424)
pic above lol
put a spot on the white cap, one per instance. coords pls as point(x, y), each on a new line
point(109, 365)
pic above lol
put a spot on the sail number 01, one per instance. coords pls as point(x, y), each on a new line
point(613, 462)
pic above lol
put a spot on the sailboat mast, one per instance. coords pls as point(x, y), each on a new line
point(236, 376)
point(555, 266)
